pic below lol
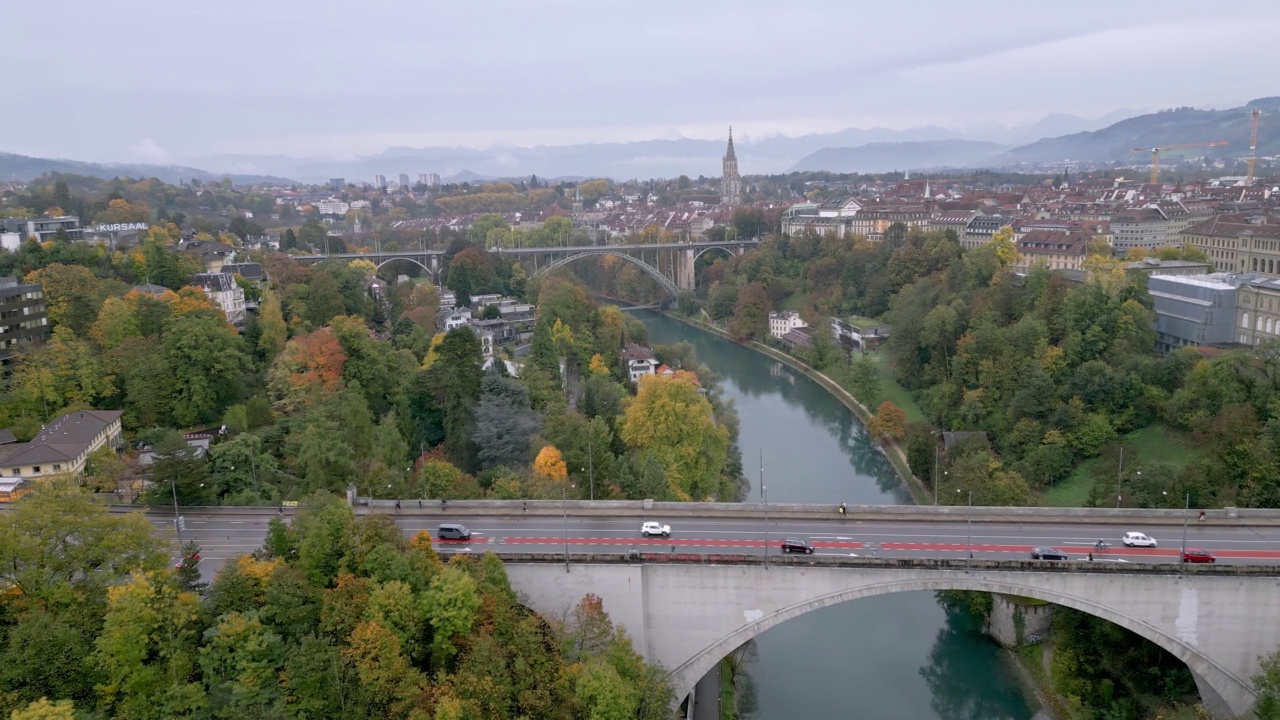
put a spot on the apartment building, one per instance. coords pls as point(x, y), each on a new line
point(24, 319)
point(781, 323)
point(63, 446)
point(223, 290)
point(1054, 249)
point(1239, 242)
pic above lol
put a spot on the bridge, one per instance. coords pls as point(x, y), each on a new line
point(719, 580)
point(672, 265)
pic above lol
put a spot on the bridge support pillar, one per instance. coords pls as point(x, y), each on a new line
point(435, 269)
point(686, 275)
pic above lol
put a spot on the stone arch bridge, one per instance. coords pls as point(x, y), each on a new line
point(688, 612)
point(672, 265)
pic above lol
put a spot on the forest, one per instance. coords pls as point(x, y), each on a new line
point(1050, 374)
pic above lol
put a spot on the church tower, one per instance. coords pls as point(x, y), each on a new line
point(730, 184)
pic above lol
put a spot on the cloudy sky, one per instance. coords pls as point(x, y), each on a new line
point(166, 80)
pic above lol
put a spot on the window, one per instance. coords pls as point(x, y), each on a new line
point(36, 469)
point(1244, 322)
point(56, 468)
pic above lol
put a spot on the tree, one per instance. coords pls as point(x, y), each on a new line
point(864, 381)
point(505, 422)
point(1267, 685)
point(275, 332)
point(550, 464)
point(58, 539)
point(146, 650)
point(452, 601)
point(309, 369)
point(672, 420)
point(722, 300)
point(454, 379)
point(889, 421)
point(116, 323)
point(42, 709)
point(751, 313)
point(470, 273)
point(207, 360)
point(73, 296)
point(324, 300)
point(239, 660)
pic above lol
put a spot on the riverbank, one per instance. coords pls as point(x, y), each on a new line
point(892, 451)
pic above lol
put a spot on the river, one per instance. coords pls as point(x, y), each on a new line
point(899, 656)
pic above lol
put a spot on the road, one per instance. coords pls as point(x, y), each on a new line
point(223, 535)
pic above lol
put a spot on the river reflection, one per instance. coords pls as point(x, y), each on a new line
point(894, 656)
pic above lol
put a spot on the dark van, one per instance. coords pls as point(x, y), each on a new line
point(453, 531)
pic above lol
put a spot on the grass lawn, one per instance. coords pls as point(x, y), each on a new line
point(893, 392)
point(1154, 443)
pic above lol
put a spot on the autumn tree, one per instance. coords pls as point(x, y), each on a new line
point(889, 421)
point(308, 370)
point(751, 313)
point(274, 329)
point(550, 464)
point(73, 296)
point(671, 420)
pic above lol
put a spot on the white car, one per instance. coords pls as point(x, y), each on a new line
point(655, 528)
point(1137, 539)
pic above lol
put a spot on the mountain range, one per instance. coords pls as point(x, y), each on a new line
point(1054, 138)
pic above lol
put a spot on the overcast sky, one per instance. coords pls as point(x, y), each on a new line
point(170, 80)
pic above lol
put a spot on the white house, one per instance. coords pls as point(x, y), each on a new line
point(453, 318)
point(781, 323)
point(223, 290)
point(637, 369)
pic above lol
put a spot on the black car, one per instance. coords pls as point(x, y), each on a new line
point(791, 545)
point(1047, 553)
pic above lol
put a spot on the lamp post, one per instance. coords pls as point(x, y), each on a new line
point(591, 470)
point(764, 498)
point(1186, 512)
point(564, 509)
point(177, 520)
point(1119, 477)
point(969, 523)
point(935, 474)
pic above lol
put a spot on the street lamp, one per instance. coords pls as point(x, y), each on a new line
point(969, 522)
point(564, 508)
point(764, 498)
point(1120, 478)
point(1186, 512)
point(591, 470)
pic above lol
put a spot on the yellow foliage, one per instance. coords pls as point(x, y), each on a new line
point(1006, 251)
point(597, 366)
point(366, 267)
point(429, 359)
point(421, 540)
point(1053, 437)
point(42, 709)
point(550, 464)
point(259, 570)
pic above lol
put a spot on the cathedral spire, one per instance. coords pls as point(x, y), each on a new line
point(730, 183)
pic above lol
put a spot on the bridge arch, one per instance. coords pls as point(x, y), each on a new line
point(419, 263)
point(667, 283)
point(728, 253)
point(1221, 690)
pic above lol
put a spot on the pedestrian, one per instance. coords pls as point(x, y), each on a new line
point(843, 510)
point(397, 504)
point(1090, 556)
point(524, 506)
point(1201, 516)
point(419, 503)
point(443, 503)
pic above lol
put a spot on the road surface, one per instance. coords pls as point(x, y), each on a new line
point(224, 535)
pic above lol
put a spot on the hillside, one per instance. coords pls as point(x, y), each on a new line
point(889, 156)
point(22, 167)
point(1168, 127)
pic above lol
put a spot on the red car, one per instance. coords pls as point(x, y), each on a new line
point(1196, 555)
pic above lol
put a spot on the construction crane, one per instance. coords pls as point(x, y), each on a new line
point(1253, 145)
point(1155, 154)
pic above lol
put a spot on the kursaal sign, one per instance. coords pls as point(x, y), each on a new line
point(121, 227)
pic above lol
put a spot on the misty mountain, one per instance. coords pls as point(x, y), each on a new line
point(887, 157)
point(1167, 127)
point(22, 167)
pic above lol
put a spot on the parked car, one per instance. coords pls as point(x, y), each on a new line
point(1048, 553)
point(793, 545)
point(655, 528)
point(1196, 555)
point(1137, 539)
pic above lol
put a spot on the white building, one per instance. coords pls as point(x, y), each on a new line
point(486, 342)
point(223, 290)
point(454, 318)
point(781, 323)
point(63, 446)
point(637, 369)
point(333, 206)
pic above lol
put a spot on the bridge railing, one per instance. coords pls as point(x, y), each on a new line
point(639, 510)
point(811, 561)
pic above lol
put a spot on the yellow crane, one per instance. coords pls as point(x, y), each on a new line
point(1155, 154)
point(1253, 144)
